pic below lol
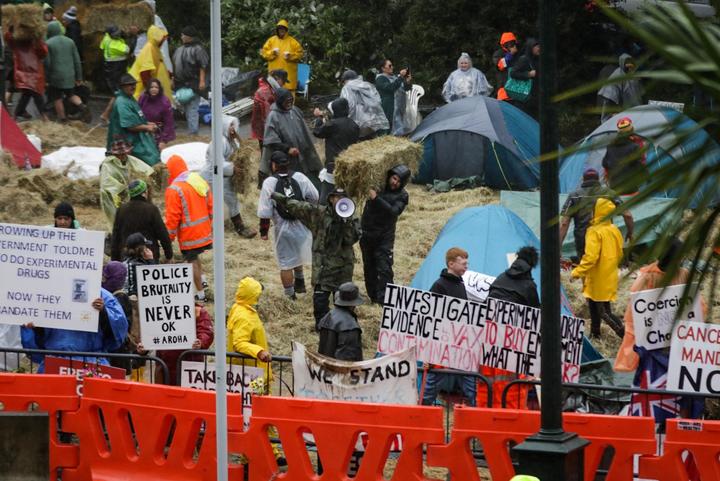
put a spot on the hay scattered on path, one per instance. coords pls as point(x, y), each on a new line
point(55, 135)
point(122, 15)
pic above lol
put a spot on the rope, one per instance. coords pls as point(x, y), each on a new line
point(497, 159)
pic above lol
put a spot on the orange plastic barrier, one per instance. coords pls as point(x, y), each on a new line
point(53, 394)
point(335, 427)
point(129, 430)
point(701, 438)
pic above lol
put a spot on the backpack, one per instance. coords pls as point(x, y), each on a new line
point(290, 188)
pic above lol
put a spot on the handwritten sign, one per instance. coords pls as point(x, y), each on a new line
point(695, 358)
point(654, 314)
point(477, 285)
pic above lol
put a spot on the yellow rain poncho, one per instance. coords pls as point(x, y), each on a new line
point(150, 60)
point(114, 179)
point(276, 58)
point(245, 331)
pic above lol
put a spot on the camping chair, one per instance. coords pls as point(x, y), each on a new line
point(412, 114)
point(303, 79)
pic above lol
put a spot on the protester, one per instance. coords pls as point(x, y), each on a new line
point(204, 336)
point(137, 253)
point(73, 29)
point(504, 59)
point(139, 214)
point(64, 216)
point(599, 267)
point(48, 13)
point(466, 81)
point(191, 62)
point(263, 99)
point(392, 90)
point(527, 67)
point(114, 276)
point(64, 72)
point(116, 53)
point(450, 283)
point(149, 64)
point(28, 73)
point(339, 133)
point(128, 122)
point(620, 94)
point(286, 131)
point(364, 105)
point(379, 220)
point(283, 52)
point(157, 109)
point(292, 240)
point(579, 205)
point(245, 331)
point(188, 216)
point(115, 173)
point(333, 256)
point(624, 160)
point(340, 333)
point(141, 38)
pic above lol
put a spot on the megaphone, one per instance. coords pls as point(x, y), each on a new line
point(345, 207)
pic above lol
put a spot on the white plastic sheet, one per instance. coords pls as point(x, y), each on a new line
point(80, 162)
point(193, 153)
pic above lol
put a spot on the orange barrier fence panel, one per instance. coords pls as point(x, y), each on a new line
point(335, 427)
point(130, 430)
point(52, 394)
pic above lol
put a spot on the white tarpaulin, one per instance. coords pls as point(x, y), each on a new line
point(193, 153)
point(390, 379)
point(80, 162)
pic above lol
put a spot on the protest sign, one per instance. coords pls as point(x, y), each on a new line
point(390, 379)
point(654, 314)
point(81, 370)
point(49, 277)
point(695, 358)
point(166, 305)
point(201, 375)
point(477, 285)
point(463, 334)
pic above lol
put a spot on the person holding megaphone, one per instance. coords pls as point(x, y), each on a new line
point(335, 230)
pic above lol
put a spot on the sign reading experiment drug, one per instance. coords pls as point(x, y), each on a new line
point(464, 334)
point(166, 305)
point(654, 314)
point(50, 277)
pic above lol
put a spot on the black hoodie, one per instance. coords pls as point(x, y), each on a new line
point(450, 285)
point(339, 133)
point(516, 285)
point(381, 214)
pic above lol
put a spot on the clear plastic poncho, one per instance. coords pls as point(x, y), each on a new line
point(365, 107)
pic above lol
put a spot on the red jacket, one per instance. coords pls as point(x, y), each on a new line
point(28, 56)
point(204, 331)
point(262, 101)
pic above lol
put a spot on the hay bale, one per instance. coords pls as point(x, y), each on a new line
point(364, 165)
point(55, 135)
point(26, 21)
point(243, 158)
point(123, 15)
point(16, 207)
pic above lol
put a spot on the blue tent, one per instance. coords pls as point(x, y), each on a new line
point(488, 234)
point(670, 135)
point(480, 136)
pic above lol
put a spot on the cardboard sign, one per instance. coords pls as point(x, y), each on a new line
point(49, 277)
point(477, 285)
point(81, 370)
point(695, 358)
point(463, 334)
point(167, 306)
point(654, 314)
point(390, 379)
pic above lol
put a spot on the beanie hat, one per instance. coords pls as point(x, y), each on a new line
point(189, 31)
point(113, 276)
point(625, 125)
point(70, 13)
point(64, 209)
point(137, 187)
point(590, 173)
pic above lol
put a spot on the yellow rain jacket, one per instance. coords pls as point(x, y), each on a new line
point(277, 60)
point(245, 331)
point(603, 253)
point(150, 59)
point(114, 179)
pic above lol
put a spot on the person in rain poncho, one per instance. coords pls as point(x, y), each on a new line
point(283, 52)
point(230, 146)
point(365, 105)
point(245, 331)
point(115, 173)
point(149, 64)
point(286, 131)
point(292, 240)
point(142, 38)
point(620, 94)
point(466, 81)
point(392, 90)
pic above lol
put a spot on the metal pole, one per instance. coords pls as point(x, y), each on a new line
point(218, 242)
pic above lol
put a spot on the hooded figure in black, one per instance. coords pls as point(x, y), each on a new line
point(379, 219)
point(516, 283)
point(339, 133)
point(527, 67)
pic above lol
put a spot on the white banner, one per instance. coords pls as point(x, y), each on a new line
point(166, 305)
point(654, 313)
point(465, 335)
point(50, 277)
point(695, 358)
point(477, 285)
point(390, 379)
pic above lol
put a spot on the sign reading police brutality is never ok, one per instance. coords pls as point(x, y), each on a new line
point(50, 277)
point(167, 307)
point(654, 314)
point(465, 335)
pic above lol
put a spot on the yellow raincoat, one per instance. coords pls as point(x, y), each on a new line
point(114, 179)
point(603, 253)
point(245, 331)
point(277, 60)
point(150, 59)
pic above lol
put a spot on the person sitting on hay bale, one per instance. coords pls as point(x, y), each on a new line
point(149, 64)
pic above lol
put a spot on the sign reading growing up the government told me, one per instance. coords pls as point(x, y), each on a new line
point(655, 311)
point(166, 305)
point(694, 364)
point(463, 334)
point(49, 277)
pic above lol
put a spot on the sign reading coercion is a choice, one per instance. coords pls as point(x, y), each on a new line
point(166, 305)
point(390, 379)
point(463, 334)
point(50, 277)
point(695, 358)
point(655, 311)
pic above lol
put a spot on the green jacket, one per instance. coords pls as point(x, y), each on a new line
point(126, 113)
point(333, 240)
point(63, 61)
point(387, 88)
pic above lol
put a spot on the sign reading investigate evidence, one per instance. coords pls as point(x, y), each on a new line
point(465, 335)
point(167, 306)
point(654, 313)
point(50, 277)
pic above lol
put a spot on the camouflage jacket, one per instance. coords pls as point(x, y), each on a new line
point(333, 240)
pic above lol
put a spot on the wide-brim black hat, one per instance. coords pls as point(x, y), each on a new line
point(348, 294)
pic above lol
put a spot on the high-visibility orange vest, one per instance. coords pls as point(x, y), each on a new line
point(188, 214)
